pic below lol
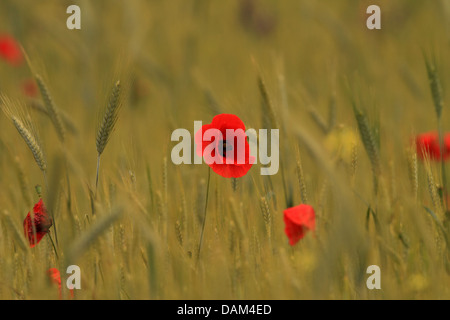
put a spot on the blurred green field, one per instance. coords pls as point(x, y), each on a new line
point(186, 60)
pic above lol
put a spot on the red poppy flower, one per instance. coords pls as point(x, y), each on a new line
point(30, 88)
point(427, 145)
point(10, 50)
point(55, 277)
point(298, 220)
point(40, 222)
point(224, 146)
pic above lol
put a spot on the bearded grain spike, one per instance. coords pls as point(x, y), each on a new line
point(82, 244)
point(413, 173)
point(301, 179)
point(435, 86)
point(269, 116)
point(109, 119)
point(31, 143)
point(432, 189)
point(369, 142)
point(267, 217)
point(68, 123)
point(51, 108)
point(107, 124)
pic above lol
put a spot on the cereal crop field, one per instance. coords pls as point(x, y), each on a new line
point(100, 177)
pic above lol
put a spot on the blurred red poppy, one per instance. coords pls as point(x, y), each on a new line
point(427, 145)
point(255, 19)
point(29, 88)
point(298, 220)
point(40, 222)
point(224, 146)
point(10, 50)
point(55, 277)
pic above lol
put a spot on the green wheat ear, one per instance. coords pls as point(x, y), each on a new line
point(269, 115)
point(51, 109)
point(31, 142)
point(369, 141)
point(107, 123)
point(25, 128)
point(436, 93)
point(432, 188)
point(301, 178)
point(109, 119)
point(66, 119)
point(435, 86)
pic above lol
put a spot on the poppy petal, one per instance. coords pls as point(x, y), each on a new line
point(37, 227)
point(223, 156)
point(10, 50)
point(298, 220)
point(428, 146)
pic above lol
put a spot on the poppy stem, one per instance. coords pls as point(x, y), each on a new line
point(443, 171)
point(45, 181)
point(53, 244)
point(204, 215)
point(50, 209)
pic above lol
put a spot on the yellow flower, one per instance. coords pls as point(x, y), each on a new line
point(341, 143)
point(418, 282)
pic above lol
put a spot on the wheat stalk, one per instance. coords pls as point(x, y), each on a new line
point(301, 179)
point(432, 189)
point(31, 142)
point(52, 110)
point(15, 231)
point(204, 216)
point(270, 121)
point(237, 216)
point(68, 123)
point(107, 124)
point(436, 93)
point(319, 120)
point(269, 116)
point(81, 245)
point(413, 172)
point(369, 142)
point(25, 127)
point(23, 124)
point(267, 216)
point(435, 86)
point(23, 181)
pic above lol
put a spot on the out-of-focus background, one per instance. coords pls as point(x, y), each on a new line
point(186, 60)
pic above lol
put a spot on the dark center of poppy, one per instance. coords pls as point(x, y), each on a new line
point(42, 224)
point(224, 147)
